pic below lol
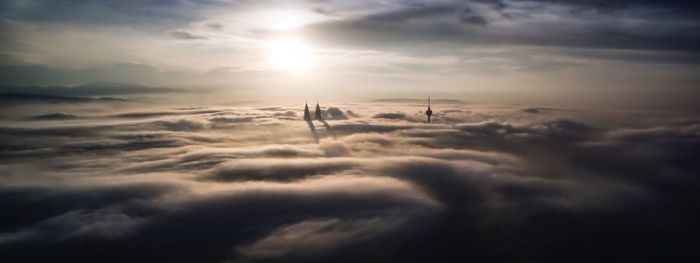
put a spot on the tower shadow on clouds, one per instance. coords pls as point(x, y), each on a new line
point(318, 115)
point(307, 118)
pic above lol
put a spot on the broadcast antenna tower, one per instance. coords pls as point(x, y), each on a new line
point(429, 112)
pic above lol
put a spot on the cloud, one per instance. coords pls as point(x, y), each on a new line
point(149, 13)
point(316, 238)
point(392, 116)
point(531, 110)
point(24, 98)
point(471, 17)
point(97, 80)
point(336, 114)
point(446, 28)
point(216, 26)
point(275, 170)
point(125, 184)
point(185, 35)
point(55, 116)
point(407, 44)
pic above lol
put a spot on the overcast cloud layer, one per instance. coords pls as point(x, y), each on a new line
point(118, 182)
point(514, 50)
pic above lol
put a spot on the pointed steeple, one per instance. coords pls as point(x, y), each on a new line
point(429, 112)
point(307, 114)
point(318, 115)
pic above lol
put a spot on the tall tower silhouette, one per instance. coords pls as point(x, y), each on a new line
point(318, 114)
point(307, 114)
point(429, 112)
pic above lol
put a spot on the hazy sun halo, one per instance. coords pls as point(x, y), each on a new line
point(285, 20)
point(289, 54)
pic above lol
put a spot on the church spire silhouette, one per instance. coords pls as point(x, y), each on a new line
point(429, 112)
point(318, 115)
point(307, 114)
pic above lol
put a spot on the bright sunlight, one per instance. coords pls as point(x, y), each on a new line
point(289, 54)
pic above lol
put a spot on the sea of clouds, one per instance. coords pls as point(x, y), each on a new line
point(126, 182)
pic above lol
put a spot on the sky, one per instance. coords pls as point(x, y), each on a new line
point(175, 131)
point(542, 51)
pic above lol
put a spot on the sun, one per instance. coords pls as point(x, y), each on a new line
point(289, 54)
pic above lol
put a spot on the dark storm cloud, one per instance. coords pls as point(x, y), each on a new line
point(385, 190)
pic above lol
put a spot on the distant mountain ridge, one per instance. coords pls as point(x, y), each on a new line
point(407, 100)
point(92, 89)
point(12, 97)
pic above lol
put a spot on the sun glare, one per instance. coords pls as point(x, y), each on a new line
point(289, 54)
point(285, 20)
